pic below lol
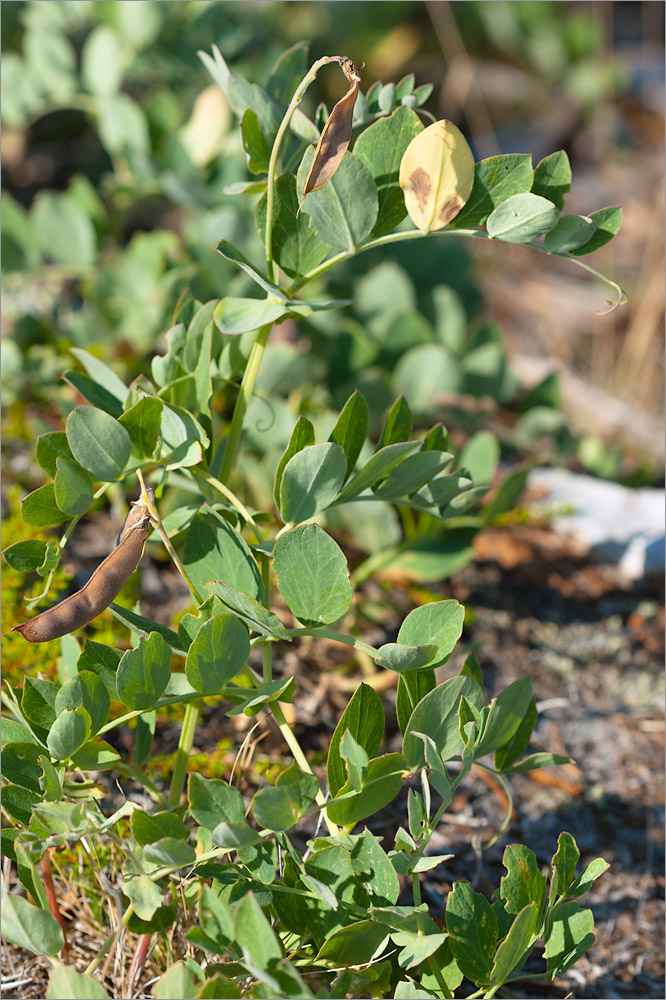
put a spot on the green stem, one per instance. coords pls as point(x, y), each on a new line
point(412, 234)
point(348, 640)
point(301, 760)
point(154, 514)
point(110, 941)
point(183, 752)
point(244, 396)
point(233, 499)
point(275, 156)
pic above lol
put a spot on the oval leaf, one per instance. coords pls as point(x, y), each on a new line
point(311, 481)
point(436, 175)
point(313, 576)
point(98, 442)
point(219, 651)
point(522, 218)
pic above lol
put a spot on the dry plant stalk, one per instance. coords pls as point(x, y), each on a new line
point(334, 139)
point(103, 586)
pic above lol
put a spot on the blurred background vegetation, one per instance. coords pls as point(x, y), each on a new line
point(117, 148)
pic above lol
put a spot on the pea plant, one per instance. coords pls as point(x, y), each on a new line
point(288, 894)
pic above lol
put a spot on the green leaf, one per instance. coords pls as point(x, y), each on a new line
point(219, 651)
point(96, 755)
point(510, 751)
point(480, 457)
point(73, 487)
point(19, 765)
point(311, 481)
point(168, 851)
point(85, 689)
point(143, 737)
point(149, 827)
point(472, 927)
point(236, 835)
point(563, 866)
point(344, 211)
point(142, 422)
point(356, 760)
point(356, 944)
point(512, 952)
point(507, 711)
point(592, 872)
point(552, 177)
point(98, 442)
point(232, 253)
point(312, 574)
point(29, 927)
point(425, 374)
point(287, 73)
point(296, 247)
point(398, 424)
point(383, 780)
point(250, 700)
point(351, 428)
point(95, 393)
point(608, 222)
point(381, 148)
point(508, 493)
point(18, 803)
point(254, 934)
point(215, 551)
point(523, 882)
point(571, 232)
point(68, 733)
point(145, 894)
point(374, 866)
point(12, 731)
point(65, 232)
point(439, 623)
point(183, 438)
point(213, 801)
point(257, 618)
point(26, 556)
point(40, 509)
point(144, 626)
point(400, 658)
point(103, 60)
point(301, 437)
point(378, 467)
point(437, 716)
point(103, 661)
point(364, 719)
point(412, 474)
point(570, 934)
point(49, 448)
point(38, 701)
point(536, 761)
point(179, 982)
point(254, 143)
point(102, 374)
point(280, 807)
point(143, 673)
point(65, 981)
point(495, 180)
point(234, 315)
point(521, 218)
point(412, 687)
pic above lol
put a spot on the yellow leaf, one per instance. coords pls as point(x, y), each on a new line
point(436, 175)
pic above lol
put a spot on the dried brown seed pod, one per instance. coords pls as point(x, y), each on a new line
point(103, 586)
point(334, 139)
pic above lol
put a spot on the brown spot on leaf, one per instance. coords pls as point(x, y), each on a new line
point(419, 183)
point(450, 209)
